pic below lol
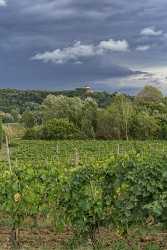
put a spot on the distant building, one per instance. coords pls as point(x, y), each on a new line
point(88, 90)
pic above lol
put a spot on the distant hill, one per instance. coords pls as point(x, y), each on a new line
point(20, 100)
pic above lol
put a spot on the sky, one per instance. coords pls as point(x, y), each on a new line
point(111, 45)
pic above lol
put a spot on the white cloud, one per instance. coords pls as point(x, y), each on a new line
point(60, 56)
point(112, 45)
point(155, 76)
point(80, 51)
point(3, 3)
point(143, 48)
point(151, 31)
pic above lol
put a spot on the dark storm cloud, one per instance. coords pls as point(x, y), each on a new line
point(29, 28)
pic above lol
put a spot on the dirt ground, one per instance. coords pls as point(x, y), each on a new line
point(34, 239)
point(45, 239)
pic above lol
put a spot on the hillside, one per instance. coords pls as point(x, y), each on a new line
point(20, 100)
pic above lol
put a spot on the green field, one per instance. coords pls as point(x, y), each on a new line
point(56, 189)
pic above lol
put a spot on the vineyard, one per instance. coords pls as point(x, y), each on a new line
point(69, 152)
point(90, 194)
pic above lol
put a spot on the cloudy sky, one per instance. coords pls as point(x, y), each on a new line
point(63, 44)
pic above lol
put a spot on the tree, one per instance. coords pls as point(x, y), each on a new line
point(8, 118)
point(149, 94)
point(121, 112)
point(144, 126)
point(28, 119)
point(16, 115)
point(1, 133)
point(52, 130)
point(63, 107)
point(89, 117)
point(87, 129)
point(105, 125)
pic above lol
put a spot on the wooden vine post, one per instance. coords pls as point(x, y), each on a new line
point(14, 235)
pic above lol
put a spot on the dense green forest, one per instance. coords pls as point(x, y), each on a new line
point(21, 100)
point(83, 114)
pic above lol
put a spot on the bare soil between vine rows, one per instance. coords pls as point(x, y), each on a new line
point(41, 239)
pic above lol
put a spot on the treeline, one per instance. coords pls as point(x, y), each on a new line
point(13, 102)
point(61, 117)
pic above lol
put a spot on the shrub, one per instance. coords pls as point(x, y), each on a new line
point(134, 189)
point(32, 133)
point(53, 129)
point(81, 201)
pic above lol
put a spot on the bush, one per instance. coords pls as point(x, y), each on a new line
point(126, 191)
point(32, 133)
point(53, 129)
point(87, 129)
point(144, 126)
point(163, 131)
point(135, 188)
point(82, 204)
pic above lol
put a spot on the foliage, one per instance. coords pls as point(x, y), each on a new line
point(27, 192)
point(122, 189)
point(144, 126)
point(32, 133)
point(28, 119)
point(1, 133)
point(89, 118)
point(58, 129)
point(135, 189)
point(149, 94)
point(95, 114)
point(53, 129)
point(105, 128)
point(62, 107)
point(23, 100)
point(81, 202)
point(115, 121)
